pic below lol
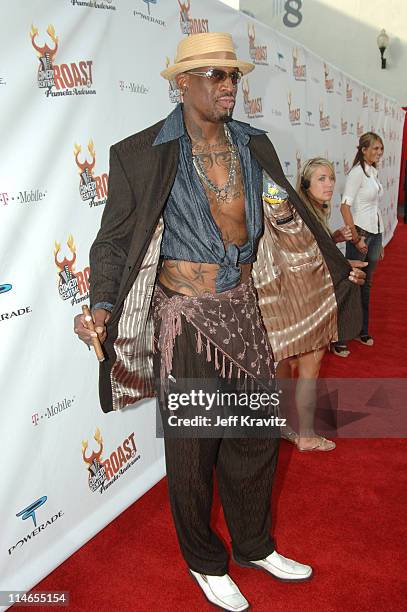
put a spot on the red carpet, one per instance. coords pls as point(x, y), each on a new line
point(343, 512)
point(388, 317)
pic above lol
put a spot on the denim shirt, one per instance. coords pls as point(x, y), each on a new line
point(190, 232)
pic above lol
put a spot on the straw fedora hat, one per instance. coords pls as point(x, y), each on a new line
point(208, 49)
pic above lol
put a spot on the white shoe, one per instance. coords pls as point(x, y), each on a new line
point(221, 591)
point(280, 567)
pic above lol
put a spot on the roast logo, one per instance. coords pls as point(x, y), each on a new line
point(349, 92)
point(294, 113)
point(173, 91)
point(376, 105)
point(258, 53)
point(324, 120)
point(299, 161)
point(253, 107)
point(365, 99)
point(70, 282)
point(386, 108)
point(344, 126)
point(92, 189)
point(299, 70)
point(102, 473)
point(190, 25)
point(74, 78)
point(359, 129)
point(329, 83)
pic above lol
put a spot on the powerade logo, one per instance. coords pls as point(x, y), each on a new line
point(148, 2)
point(6, 287)
point(148, 16)
point(29, 512)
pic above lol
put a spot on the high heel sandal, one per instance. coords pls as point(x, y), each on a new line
point(289, 435)
point(339, 349)
point(322, 445)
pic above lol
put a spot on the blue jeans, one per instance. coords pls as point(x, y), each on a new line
point(374, 243)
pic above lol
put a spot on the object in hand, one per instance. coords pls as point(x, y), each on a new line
point(95, 340)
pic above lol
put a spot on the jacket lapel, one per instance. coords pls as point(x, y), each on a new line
point(161, 163)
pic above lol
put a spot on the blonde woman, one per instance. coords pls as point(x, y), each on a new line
point(315, 185)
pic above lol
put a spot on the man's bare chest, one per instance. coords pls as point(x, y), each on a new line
point(220, 173)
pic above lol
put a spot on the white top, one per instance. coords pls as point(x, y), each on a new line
point(362, 194)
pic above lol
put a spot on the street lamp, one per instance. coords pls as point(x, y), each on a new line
point(383, 43)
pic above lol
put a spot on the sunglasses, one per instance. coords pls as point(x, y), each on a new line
point(215, 75)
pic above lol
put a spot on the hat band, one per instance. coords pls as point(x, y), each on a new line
point(227, 55)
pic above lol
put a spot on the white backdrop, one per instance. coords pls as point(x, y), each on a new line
point(66, 94)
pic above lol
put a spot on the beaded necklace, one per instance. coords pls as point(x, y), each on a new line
point(221, 192)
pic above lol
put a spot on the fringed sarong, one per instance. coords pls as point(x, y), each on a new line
point(229, 331)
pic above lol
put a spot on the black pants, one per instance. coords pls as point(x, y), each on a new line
point(244, 471)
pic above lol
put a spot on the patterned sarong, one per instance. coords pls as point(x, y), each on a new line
point(229, 331)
